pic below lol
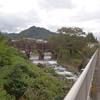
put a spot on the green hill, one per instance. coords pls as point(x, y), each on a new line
point(35, 32)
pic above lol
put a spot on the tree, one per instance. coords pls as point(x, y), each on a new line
point(71, 30)
point(69, 39)
point(90, 38)
point(2, 37)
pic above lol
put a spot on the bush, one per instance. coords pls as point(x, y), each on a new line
point(51, 71)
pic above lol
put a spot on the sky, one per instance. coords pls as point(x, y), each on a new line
point(17, 15)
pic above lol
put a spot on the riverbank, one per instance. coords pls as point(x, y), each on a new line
point(63, 73)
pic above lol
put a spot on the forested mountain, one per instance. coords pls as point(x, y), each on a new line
point(35, 32)
point(4, 33)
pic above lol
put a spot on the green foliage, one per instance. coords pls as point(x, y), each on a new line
point(50, 70)
point(20, 78)
point(90, 38)
point(20, 54)
point(95, 79)
point(5, 54)
point(12, 35)
point(96, 46)
point(35, 51)
point(3, 37)
point(60, 97)
point(71, 46)
point(45, 88)
point(88, 52)
point(68, 45)
point(71, 31)
point(5, 96)
point(13, 80)
point(34, 32)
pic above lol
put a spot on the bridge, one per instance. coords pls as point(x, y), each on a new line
point(29, 47)
point(82, 89)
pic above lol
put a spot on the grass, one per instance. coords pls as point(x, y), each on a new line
point(95, 78)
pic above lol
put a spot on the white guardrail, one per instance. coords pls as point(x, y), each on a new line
point(81, 88)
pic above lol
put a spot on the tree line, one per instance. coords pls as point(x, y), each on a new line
point(72, 44)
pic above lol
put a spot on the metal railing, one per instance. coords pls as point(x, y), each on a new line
point(81, 88)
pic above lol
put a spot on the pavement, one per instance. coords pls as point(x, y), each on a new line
point(96, 95)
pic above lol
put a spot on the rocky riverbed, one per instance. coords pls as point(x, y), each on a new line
point(50, 63)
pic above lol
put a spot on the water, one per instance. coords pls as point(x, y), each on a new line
point(53, 64)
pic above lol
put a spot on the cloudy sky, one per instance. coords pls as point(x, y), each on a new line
point(17, 15)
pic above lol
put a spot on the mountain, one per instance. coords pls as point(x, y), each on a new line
point(4, 33)
point(33, 32)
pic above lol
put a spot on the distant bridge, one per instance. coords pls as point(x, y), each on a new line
point(29, 47)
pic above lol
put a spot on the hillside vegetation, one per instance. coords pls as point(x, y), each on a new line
point(33, 32)
point(71, 46)
point(22, 80)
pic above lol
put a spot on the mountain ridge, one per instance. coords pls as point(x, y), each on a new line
point(4, 33)
point(33, 32)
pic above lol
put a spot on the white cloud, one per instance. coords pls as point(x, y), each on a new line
point(17, 5)
point(16, 21)
point(16, 15)
point(55, 4)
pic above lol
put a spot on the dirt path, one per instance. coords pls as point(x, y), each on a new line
point(97, 78)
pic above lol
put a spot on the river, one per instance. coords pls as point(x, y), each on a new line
point(53, 64)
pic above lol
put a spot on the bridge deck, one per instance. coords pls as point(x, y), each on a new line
point(97, 78)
